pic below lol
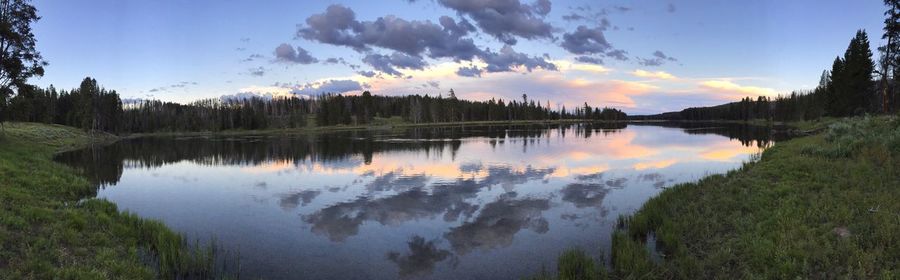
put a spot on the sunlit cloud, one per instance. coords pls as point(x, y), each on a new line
point(732, 89)
point(659, 75)
point(654, 164)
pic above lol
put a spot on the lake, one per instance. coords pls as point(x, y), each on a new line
point(456, 202)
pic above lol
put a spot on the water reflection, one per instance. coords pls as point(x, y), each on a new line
point(443, 203)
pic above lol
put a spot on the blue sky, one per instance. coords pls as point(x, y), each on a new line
point(707, 52)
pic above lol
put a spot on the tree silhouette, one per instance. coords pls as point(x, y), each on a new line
point(19, 60)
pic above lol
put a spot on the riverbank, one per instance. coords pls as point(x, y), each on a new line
point(825, 206)
point(52, 228)
point(377, 126)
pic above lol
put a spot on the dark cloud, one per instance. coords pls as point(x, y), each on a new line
point(590, 177)
point(292, 200)
point(338, 26)
point(420, 260)
point(584, 195)
point(434, 84)
point(586, 40)
point(574, 17)
point(471, 71)
point(388, 64)
point(659, 58)
point(508, 58)
point(498, 223)
point(506, 20)
point(670, 8)
point(414, 201)
point(366, 73)
point(342, 220)
point(335, 60)
point(414, 40)
point(618, 54)
point(397, 182)
point(286, 53)
point(588, 59)
point(460, 29)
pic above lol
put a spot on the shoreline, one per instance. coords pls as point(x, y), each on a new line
point(58, 229)
point(819, 206)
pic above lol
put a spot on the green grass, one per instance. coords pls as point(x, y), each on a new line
point(574, 264)
point(822, 207)
point(50, 228)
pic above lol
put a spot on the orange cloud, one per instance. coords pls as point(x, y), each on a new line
point(735, 90)
point(659, 75)
point(654, 164)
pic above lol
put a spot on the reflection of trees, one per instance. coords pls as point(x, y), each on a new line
point(748, 135)
point(420, 260)
point(104, 165)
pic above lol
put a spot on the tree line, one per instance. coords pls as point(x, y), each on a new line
point(847, 89)
point(91, 107)
point(854, 85)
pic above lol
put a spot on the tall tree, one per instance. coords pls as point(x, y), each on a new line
point(859, 93)
point(889, 63)
point(19, 60)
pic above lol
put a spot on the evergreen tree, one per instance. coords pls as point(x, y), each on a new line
point(19, 60)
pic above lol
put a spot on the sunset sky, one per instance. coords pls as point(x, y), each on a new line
point(639, 56)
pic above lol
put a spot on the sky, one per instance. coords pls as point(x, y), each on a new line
point(640, 56)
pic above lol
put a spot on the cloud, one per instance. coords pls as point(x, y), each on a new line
point(338, 26)
point(327, 86)
point(301, 198)
point(258, 71)
point(508, 58)
point(286, 53)
point(661, 75)
point(735, 90)
point(422, 257)
point(252, 57)
point(412, 41)
point(367, 74)
point(506, 20)
point(469, 71)
point(586, 40)
point(670, 8)
point(618, 54)
point(485, 232)
point(248, 95)
point(588, 59)
point(659, 58)
point(387, 64)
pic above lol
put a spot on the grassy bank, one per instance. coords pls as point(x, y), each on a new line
point(823, 207)
point(51, 229)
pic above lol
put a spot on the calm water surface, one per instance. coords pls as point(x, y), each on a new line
point(488, 202)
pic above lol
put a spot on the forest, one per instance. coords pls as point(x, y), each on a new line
point(92, 107)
